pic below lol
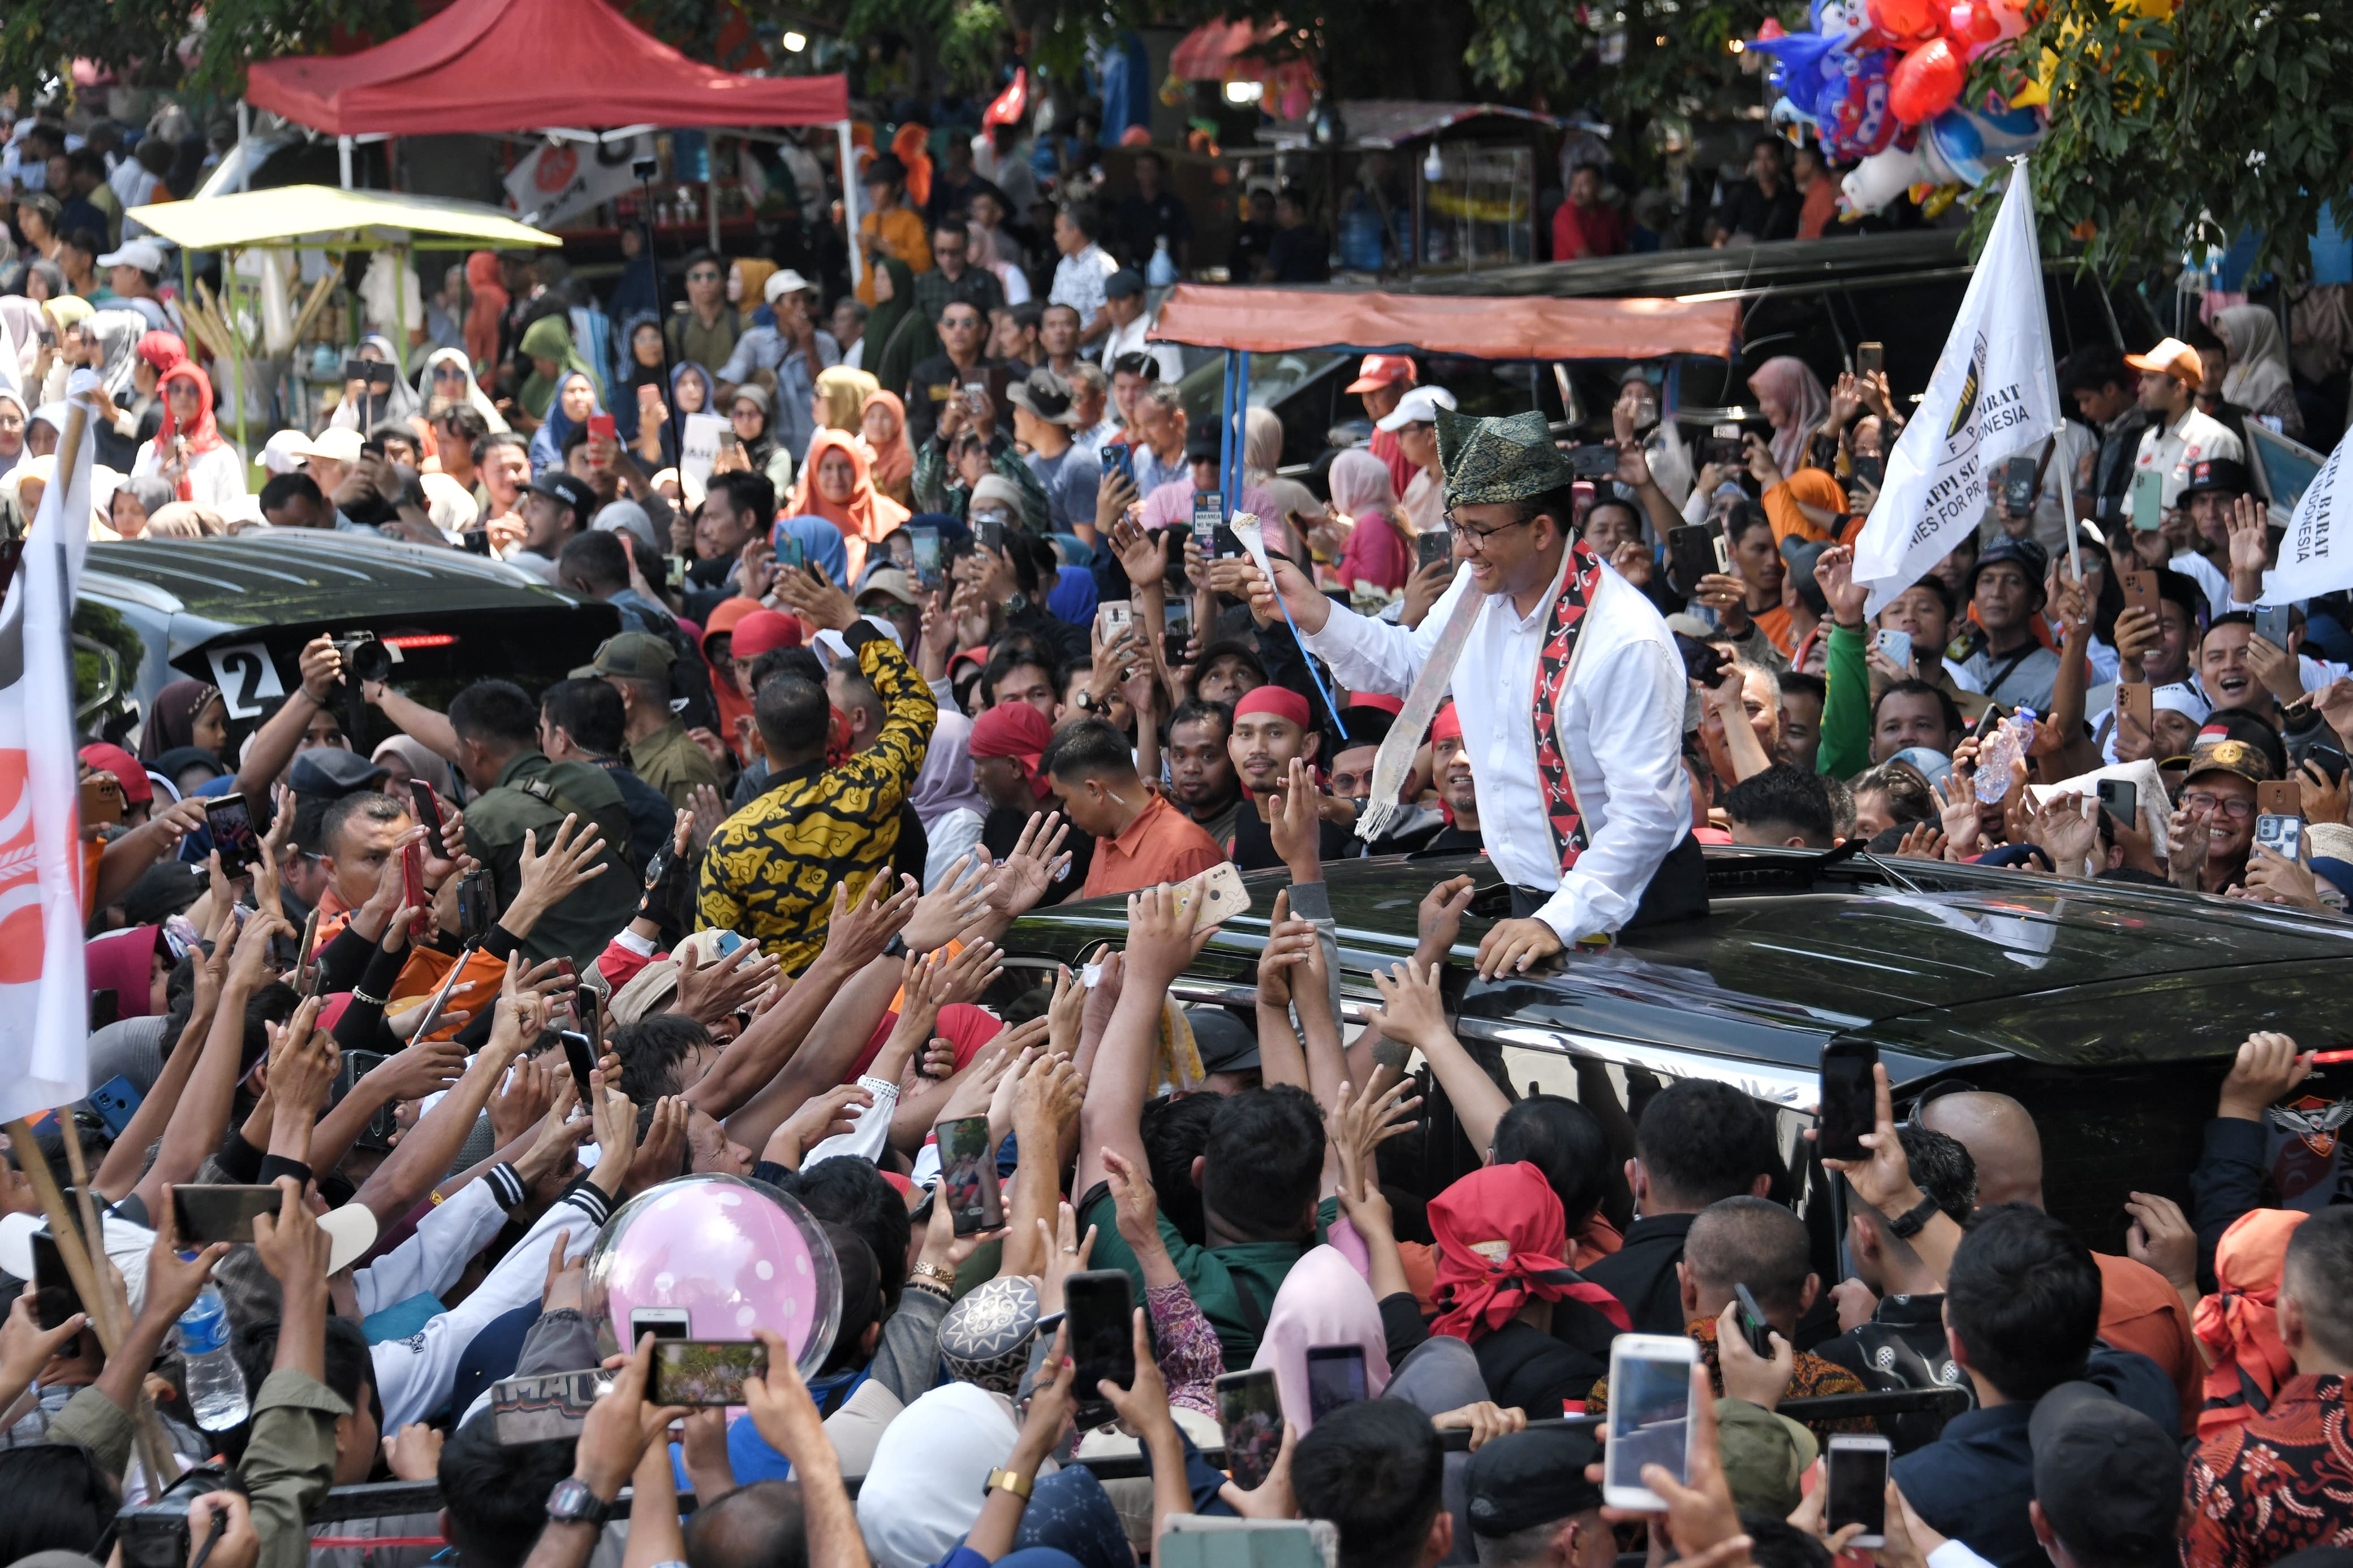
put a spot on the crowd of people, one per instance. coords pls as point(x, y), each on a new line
point(929, 651)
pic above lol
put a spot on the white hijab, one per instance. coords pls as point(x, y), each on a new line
point(2258, 355)
point(474, 393)
point(924, 1490)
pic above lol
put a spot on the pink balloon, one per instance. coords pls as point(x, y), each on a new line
point(737, 1255)
point(1926, 82)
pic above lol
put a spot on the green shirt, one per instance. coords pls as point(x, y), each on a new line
point(1845, 747)
point(535, 795)
point(1234, 1286)
point(670, 762)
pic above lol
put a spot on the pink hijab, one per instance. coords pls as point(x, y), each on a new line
point(1324, 1301)
point(1792, 383)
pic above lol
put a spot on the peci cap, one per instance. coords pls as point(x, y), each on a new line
point(1124, 284)
point(2107, 1477)
point(331, 773)
point(1419, 406)
point(632, 656)
point(2225, 476)
point(2174, 358)
point(1529, 1477)
point(1382, 370)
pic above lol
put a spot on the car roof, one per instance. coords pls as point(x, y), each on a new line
point(1841, 262)
point(267, 576)
point(1938, 964)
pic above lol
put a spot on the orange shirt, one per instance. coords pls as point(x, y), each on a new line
point(1162, 844)
point(2140, 1311)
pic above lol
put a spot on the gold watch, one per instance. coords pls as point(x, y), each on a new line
point(946, 1276)
point(1013, 1481)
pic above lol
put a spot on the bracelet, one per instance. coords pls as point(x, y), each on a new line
point(360, 995)
point(945, 1274)
point(1013, 1481)
point(930, 1288)
point(1914, 1220)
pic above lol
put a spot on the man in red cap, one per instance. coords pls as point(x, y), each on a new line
point(1450, 761)
point(1272, 727)
point(1140, 839)
point(1380, 381)
point(138, 789)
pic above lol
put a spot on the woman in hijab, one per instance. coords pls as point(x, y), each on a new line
point(747, 288)
point(692, 388)
point(404, 758)
point(883, 423)
point(842, 394)
point(21, 324)
point(547, 343)
point(488, 286)
point(158, 352)
point(108, 342)
point(13, 413)
point(361, 400)
point(448, 380)
point(641, 353)
point(135, 966)
point(945, 800)
point(2258, 379)
point(135, 502)
point(188, 451)
point(185, 713)
point(1323, 1301)
point(821, 545)
point(574, 401)
point(38, 280)
point(837, 485)
point(1790, 397)
point(1379, 550)
point(912, 142)
point(748, 415)
point(897, 334)
point(2238, 1324)
point(927, 1484)
point(717, 648)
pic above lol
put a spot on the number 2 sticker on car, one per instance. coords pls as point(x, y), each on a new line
point(247, 677)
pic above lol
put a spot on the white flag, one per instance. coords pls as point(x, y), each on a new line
point(2313, 557)
point(44, 999)
point(1995, 393)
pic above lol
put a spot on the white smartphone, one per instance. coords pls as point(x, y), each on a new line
point(1649, 1415)
point(662, 1322)
point(1858, 1483)
point(1114, 616)
point(1897, 646)
point(1220, 890)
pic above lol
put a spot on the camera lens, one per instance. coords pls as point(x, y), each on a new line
point(369, 660)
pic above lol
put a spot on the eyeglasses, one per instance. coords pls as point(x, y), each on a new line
point(703, 274)
point(448, 370)
point(2201, 803)
point(1474, 540)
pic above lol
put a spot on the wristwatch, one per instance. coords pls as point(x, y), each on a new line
point(1911, 1221)
point(929, 1270)
point(1013, 1481)
point(573, 1503)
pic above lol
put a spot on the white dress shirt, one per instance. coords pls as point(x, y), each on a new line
point(2173, 450)
point(1620, 721)
point(1134, 338)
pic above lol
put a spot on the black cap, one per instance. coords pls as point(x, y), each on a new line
point(332, 772)
point(2107, 1477)
point(1225, 1043)
point(1534, 1477)
point(1204, 444)
point(1802, 555)
point(1235, 647)
point(2023, 553)
point(1124, 284)
point(2226, 475)
point(567, 490)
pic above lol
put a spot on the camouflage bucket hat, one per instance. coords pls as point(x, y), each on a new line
point(1489, 461)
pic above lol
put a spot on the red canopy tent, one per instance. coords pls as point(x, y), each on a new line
point(1273, 320)
point(489, 66)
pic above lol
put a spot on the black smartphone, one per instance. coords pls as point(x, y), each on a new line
point(1753, 1326)
point(55, 1299)
point(384, 1122)
point(231, 826)
point(1694, 552)
point(1870, 471)
point(1335, 1376)
point(1593, 460)
point(1432, 549)
point(588, 1003)
point(428, 814)
point(308, 973)
point(1099, 1305)
point(702, 1373)
point(968, 1175)
point(1249, 1409)
point(477, 541)
point(1725, 448)
point(204, 1215)
point(474, 913)
point(2120, 798)
point(2018, 485)
point(1850, 1100)
point(105, 1007)
point(582, 1059)
point(990, 533)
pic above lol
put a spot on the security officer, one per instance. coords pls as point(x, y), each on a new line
point(637, 665)
point(497, 726)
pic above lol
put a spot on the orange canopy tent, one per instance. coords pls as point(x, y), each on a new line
point(1262, 320)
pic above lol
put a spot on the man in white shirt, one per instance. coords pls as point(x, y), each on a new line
point(1568, 679)
point(2178, 435)
point(1130, 325)
point(1085, 267)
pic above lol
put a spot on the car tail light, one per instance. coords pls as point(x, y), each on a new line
point(420, 639)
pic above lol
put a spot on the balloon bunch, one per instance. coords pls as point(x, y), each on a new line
point(1881, 82)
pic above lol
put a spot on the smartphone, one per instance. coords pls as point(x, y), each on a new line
point(384, 1125)
point(1753, 1326)
point(1221, 891)
point(412, 876)
point(662, 1322)
point(2271, 624)
point(582, 1060)
point(702, 1373)
point(116, 1102)
point(2139, 699)
point(209, 1214)
point(1870, 359)
point(588, 1004)
point(968, 1175)
point(477, 541)
point(1869, 471)
point(600, 428)
point(924, 541)
point(1593, 460)
point(549, 1408)
point(1850, 1100)
point(2280, 834)
point(1858, 1483)
point(2018, 486)
point(1249, 1409)
point(2149, 500)
point(1335, 1376)
point(1208, 515)
point(1118, 458)
point(55, 1298)
point(231, 826)
point(790, 554)
point(1114, 616)
point(2139, 587)
point(1650, 1416)
point(474, 913)
point(428, 814)
point(309, 974)
point(1432, 549)
point(105, 1007)
point(1099, 1306)
point(2280, 797)
point(101, 799)
point(1723, 447)
point(1216, 1541)
point(1693, 552)
point(990, 533)
point(2120, 798)
point(1897, 646)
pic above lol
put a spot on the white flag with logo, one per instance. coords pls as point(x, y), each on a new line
point(44, 999)
point(1994, 394)
point(2313, 557)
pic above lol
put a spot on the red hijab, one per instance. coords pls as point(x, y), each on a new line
point(488, 285)
point(161, 351)
point(202, 435)
point(2239, 1322)
point(866, 516)
point(1501, 1242)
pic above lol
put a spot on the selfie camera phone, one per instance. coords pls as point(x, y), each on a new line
point(1869, 469)
point(474, 913)
point(231, 824)
point(1897, 646)
point(1850, 1100)
point(600, 427)
point(55, 1298)
point(2280, 834)
point(1858, 1483)
point(1753, 1326)
point(1215, 1540)
point(700, 1373)
point(582, 1059)
point(968, 1175)
point(926, 542)
point(412, 875)
point(1870, 358)
point(2120, 798)
point(383, 1123)
point(2149, 500)
point(2138, 588)
point(790, 554)
point(116, 1101)
point(1335, 1376)
point(1220, 890)
point(428, 814)
point(1650, 1416)
point(1693, 552)
point(662, 1322)
point(309, 974)
point(2018, 485)
point(1435, 548)
point(101, 799)
point(1250, 1410)
point(2271, 625)
point(1099, 1306)
point(204, 1214)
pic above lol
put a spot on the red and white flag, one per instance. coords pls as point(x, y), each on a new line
point(44, 995)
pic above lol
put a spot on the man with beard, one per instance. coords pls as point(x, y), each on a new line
point(1270, 729)
point(1449, 761)
point(1201, 772)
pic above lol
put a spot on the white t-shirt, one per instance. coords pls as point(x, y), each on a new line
point(216, 478)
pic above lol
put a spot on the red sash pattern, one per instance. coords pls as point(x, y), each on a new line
point(1561, 813)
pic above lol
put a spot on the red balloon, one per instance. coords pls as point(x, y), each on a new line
point(1906, 21)
point(1926, 82)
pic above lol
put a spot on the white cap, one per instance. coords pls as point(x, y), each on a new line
point(784, 282)
point(338, 446)
point(287, 451)
point(2182, 699)
point(1419, 406)
point(143, 254)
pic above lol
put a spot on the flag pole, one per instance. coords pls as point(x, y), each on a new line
point(2067, 477)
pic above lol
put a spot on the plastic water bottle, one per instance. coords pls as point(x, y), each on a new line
point(1161, 270)
point(216, 1387)
point(2005, 746)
